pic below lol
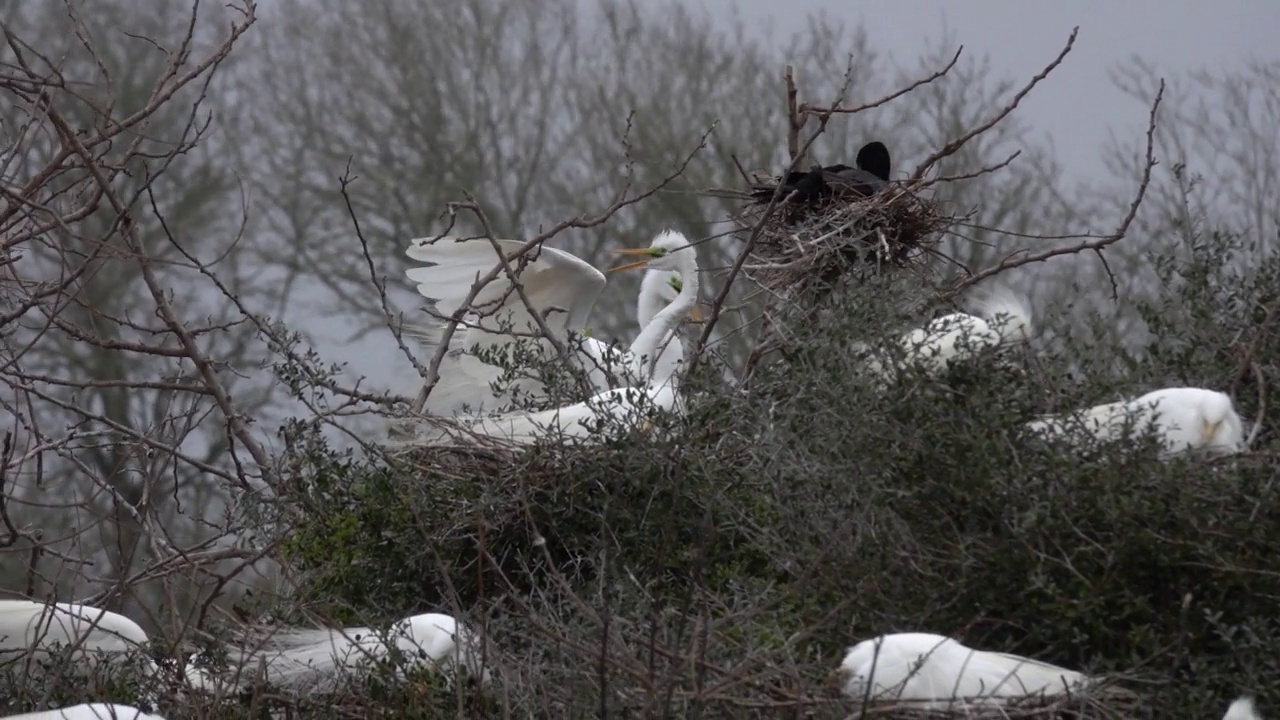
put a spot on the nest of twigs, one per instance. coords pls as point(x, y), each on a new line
point(1110, 702)
point(816, 243)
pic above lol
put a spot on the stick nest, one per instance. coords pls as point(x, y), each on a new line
point(809, 245)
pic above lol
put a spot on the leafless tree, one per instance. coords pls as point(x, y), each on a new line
point(126, 358)
point(520, 105)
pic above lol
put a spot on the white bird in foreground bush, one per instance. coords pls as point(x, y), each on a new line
point(939, 672)
point(1185, 419)
point(90, 635)
point(1000, 318)
point(305, 659)
point(88, 711)
point(559, 285)
point(613, 411)
point(27, 626)
point(658, 289)
point(1242, 709)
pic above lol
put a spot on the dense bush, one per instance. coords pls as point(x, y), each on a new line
point(724, 567)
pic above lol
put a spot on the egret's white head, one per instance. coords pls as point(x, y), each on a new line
point(660, 288)
point(1221, 429)
point(664, 285)
point(666, 252)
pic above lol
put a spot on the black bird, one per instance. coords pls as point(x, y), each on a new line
point(871, 176)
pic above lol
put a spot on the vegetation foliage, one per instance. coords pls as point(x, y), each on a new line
point(720, 566)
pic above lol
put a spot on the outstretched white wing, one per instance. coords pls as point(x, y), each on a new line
point(560, 287)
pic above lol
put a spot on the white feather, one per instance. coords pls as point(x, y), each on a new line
point(1000, 318)
point(34, 626)
point(303, 659)
point(609, 414)
point(560, 286)
point(1242, 709)
point(655, 358)
point(938, 672)
point(88, 711)
point(1185, 419)
point(658, 289)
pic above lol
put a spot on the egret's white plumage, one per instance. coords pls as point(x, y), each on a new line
point(655, 358)
point(35, 626)
point(938, 671)
point(999, 318)
point(658, 289)
point(95, 634)
point(560, 286)
point(1185, 419)
point(607, 414)
point(1242, 709)
point(304, 659)
point(88, 711)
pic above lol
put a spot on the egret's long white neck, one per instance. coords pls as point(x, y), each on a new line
point(650, 301)
point(654, 335)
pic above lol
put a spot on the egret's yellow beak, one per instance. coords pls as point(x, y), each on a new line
point(1209, 430)
point(835, 679)
point(632, 252)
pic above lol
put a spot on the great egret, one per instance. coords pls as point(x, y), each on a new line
point(1242, 709)
point(88, 711)
point(869, 177)
point(655, 294)
point(1000, 318)
point(1185, 419)
point(656, 352)
point(89, 635)
point(938, 672)
point(27, 626)
point(303, 659)
point(559, 285)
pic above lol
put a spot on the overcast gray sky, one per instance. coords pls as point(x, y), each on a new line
point(1078, 106)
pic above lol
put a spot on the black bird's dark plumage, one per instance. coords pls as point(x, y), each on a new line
point(871, 176)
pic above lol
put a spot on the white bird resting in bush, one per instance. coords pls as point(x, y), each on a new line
point(655, 358)
point(88, 711)
point(1000, 319)
point(561, 287)
point(1242, 709)
point(90, 635)
point(1185, 419)
point(937, 672)
point(302, 660)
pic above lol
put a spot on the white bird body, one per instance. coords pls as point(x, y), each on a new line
point(303, 659)
point(96, 635)
point(559, 285)
point(655, 357)
point(1000, 318)
point(658, 289)
point(939, 672)
point(1242, 709)
point(1185, 418)
point(35, 626)
point(608, 414)
point(88, 711)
